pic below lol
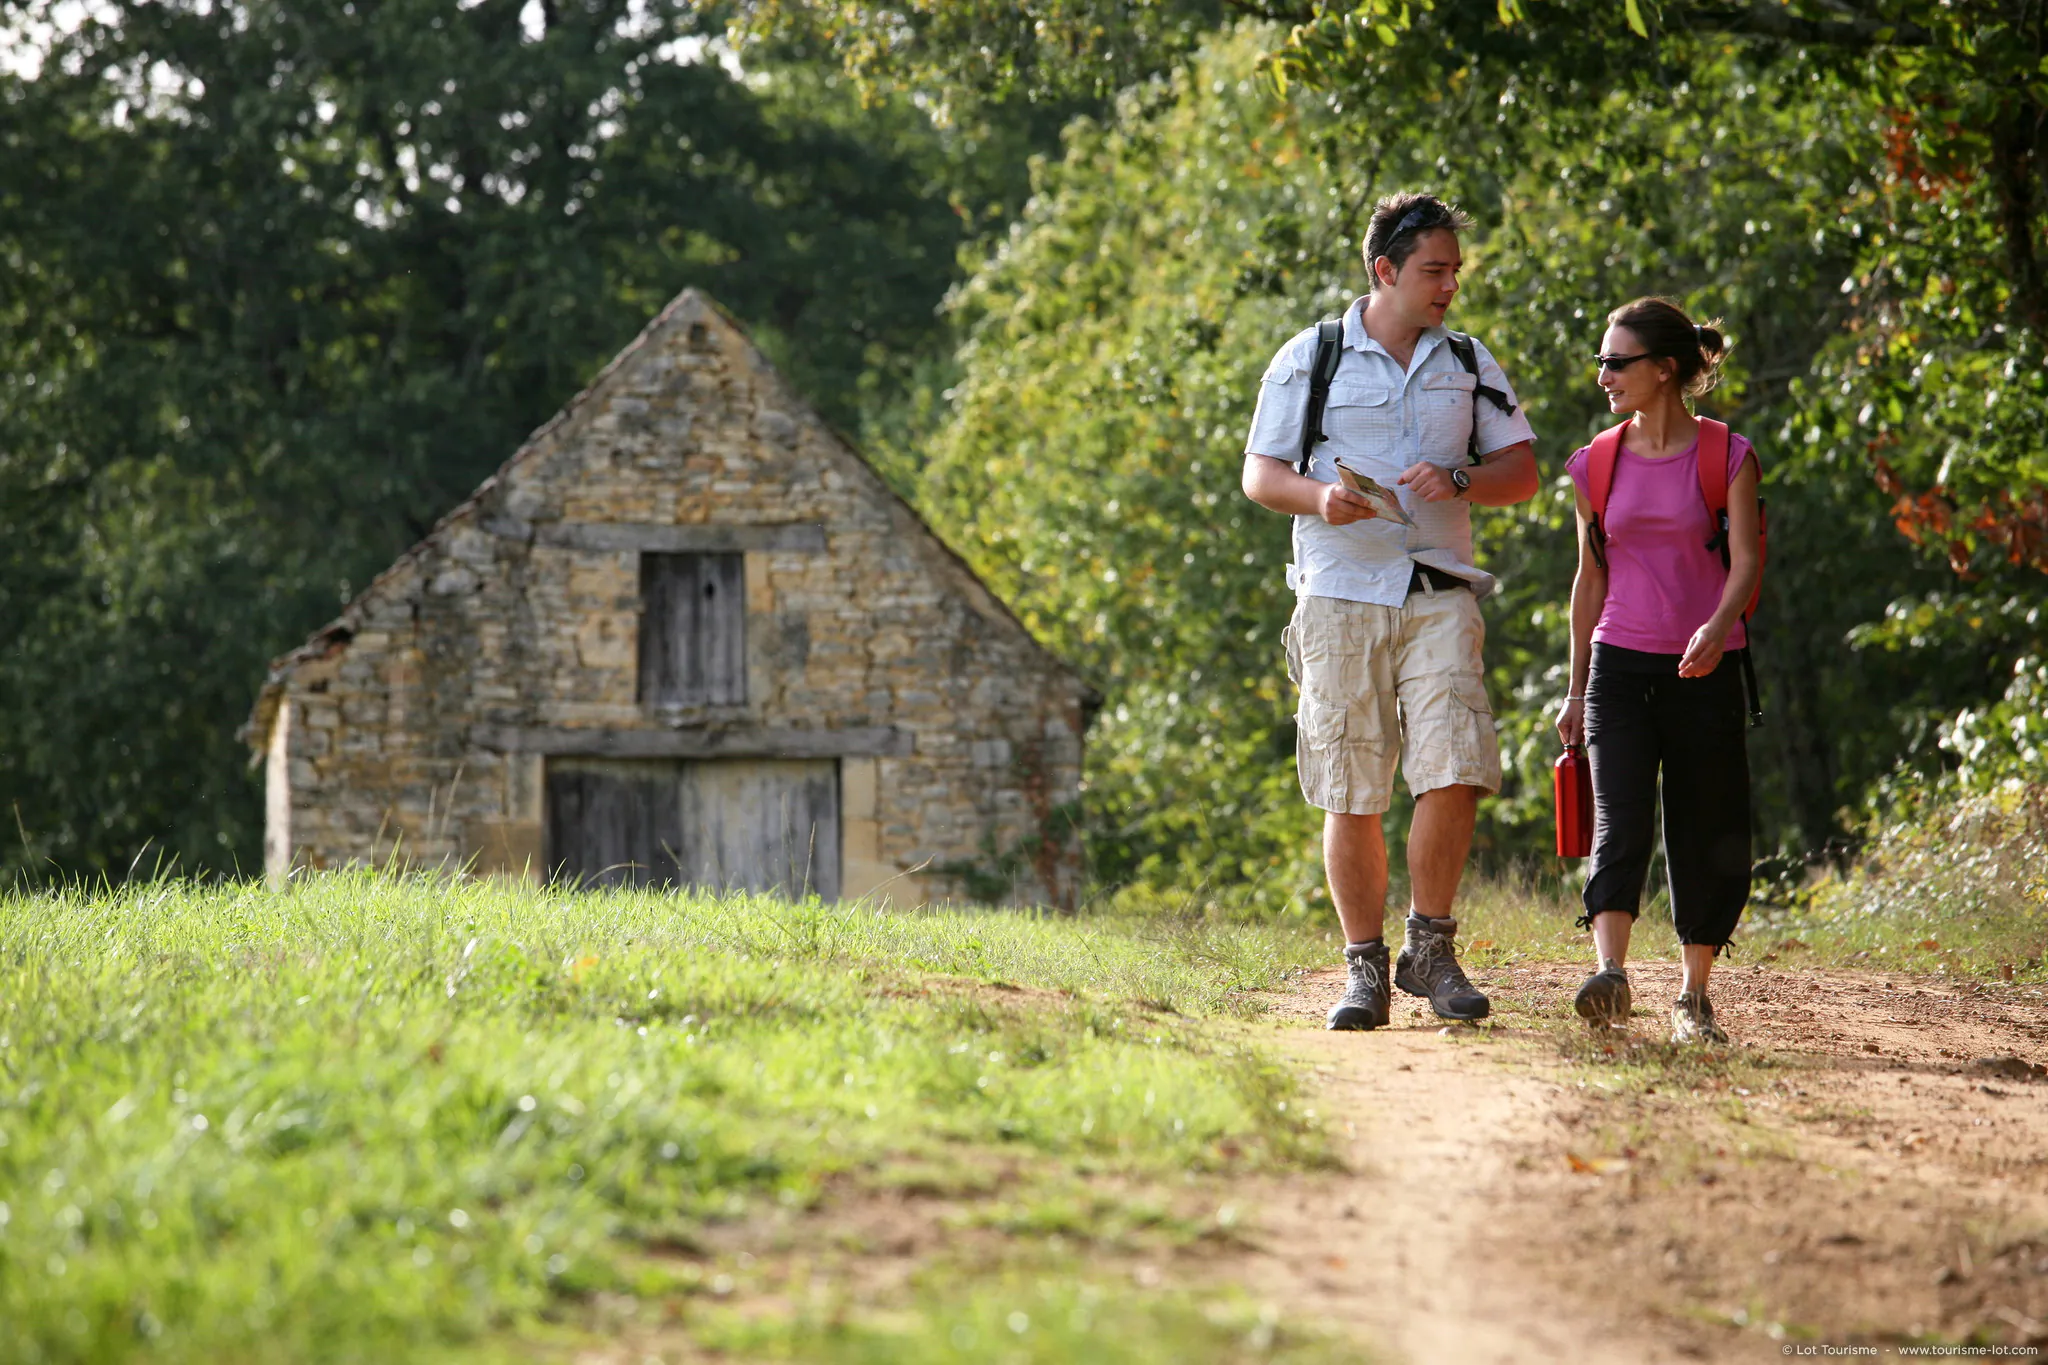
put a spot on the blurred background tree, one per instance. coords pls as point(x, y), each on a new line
point(285, 280)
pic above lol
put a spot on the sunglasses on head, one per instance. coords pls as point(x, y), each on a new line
point(1615, 364)
point(1411, 220)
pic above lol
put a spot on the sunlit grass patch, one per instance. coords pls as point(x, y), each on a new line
point(1529, 918)
point(1025, 1318)
point(373, 1117)
point(1621, 1063)
point(1955, 887)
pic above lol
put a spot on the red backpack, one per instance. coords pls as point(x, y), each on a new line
point(1713, 471)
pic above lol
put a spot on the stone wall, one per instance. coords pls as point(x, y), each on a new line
point(417, 726)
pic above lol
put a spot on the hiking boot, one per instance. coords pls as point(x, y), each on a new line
point(1428, 967)
point(1692, 1020)
point(1603, 1000)
point(1365, 1003)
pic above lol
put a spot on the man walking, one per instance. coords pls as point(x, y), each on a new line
point(1386, 636)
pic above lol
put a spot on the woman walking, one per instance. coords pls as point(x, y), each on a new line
point(1664, 584)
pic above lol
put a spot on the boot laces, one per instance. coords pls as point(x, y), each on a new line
point(1437, 963)
point(1367, 977)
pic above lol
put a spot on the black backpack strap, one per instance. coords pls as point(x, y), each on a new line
point(1468, 356)
point(1756, 698)
point(1329, 349)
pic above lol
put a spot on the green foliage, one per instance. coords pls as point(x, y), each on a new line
point(1940, 371)
point(1976, 695)
point(1040, 1320)
point(2007, 740)
point(1091, 465)
point(369, 1118)
point(969, 54)
point(286, 280)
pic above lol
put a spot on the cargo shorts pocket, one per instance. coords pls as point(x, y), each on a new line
point(1322, 726)
point(1473, 738)
point(1320, 753)
point(1470, 688)
point(1450, 738)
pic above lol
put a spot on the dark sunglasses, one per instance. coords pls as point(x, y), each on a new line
point(1618, 363)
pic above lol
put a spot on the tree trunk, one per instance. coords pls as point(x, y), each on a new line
point(2014, 148)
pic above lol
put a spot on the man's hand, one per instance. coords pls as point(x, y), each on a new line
point(1340, 506)
point(1432, 483)
point(1273, 484)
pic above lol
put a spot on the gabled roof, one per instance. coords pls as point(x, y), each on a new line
point(691, 307)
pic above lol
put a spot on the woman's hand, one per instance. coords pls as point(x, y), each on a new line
point(1571, 722)
point(1703, 655)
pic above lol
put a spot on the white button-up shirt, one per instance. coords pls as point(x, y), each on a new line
point(1380, 420)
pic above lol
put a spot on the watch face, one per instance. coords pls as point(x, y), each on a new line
point(1461, 478)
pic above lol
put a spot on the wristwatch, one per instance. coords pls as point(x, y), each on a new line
point(1461, 481)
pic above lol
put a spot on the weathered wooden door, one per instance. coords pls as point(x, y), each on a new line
point(722, 824)
point(612, 823)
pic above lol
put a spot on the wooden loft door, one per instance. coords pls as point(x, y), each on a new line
point(693, 630)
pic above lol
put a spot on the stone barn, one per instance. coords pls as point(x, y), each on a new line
point(685, 635)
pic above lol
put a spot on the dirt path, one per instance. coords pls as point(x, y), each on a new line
point(1870, 1166)
point(1404, 1250)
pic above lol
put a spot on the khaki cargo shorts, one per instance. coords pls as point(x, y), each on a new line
point(1385, 683)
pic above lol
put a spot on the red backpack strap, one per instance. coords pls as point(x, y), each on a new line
point(1600, 459)
point(1713, 464)
point(1714, 489)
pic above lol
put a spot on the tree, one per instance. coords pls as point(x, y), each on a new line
point(284, 280)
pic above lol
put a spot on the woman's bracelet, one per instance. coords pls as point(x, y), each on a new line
point(1575, 696)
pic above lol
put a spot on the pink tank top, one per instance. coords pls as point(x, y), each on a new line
point(1662, 580)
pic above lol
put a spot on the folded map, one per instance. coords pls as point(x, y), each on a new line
point(1384, 502)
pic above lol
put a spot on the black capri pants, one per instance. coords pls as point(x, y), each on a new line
point(1643, 719)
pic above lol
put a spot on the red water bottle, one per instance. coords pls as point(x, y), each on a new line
point(1571, 779)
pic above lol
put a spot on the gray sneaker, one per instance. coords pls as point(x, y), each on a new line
point(1603, 1000)
point(1692, 1020)
point(1428, 967)
point(1365, 1003)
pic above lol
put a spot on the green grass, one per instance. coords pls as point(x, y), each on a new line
point(1956, 887)
point(385, 1117)
point(412, 1118)
point(1026, 1320)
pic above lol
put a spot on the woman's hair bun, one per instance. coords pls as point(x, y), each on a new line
point(1664, 330)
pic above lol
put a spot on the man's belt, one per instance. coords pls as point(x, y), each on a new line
point(1436, 578)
